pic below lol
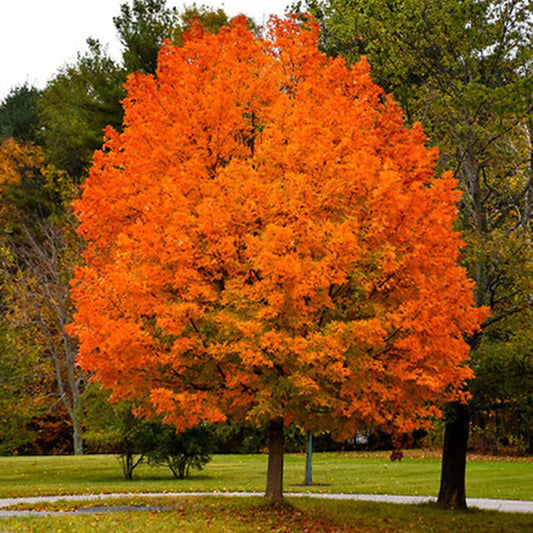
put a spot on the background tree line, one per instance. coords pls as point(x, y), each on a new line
point(47, 139)
point(463, 68)
point(460, 67)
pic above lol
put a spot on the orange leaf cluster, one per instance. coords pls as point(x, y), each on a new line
point(266, 238)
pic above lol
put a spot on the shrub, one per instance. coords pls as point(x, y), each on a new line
point(182, 451)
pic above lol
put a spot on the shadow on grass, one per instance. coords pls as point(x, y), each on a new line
point(438, 507)
point(163, 478)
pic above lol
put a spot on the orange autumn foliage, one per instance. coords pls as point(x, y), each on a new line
point(267, 239)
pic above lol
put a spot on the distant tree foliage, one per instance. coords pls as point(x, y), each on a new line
point(211, 19)
point(22, 394)
point(142, 26)
point(35, 270)
point(76, 106)
point(47, 139)
point(18, 114)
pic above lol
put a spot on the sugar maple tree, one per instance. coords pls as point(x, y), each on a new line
point(267, 240)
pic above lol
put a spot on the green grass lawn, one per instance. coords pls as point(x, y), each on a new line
point(332, 472)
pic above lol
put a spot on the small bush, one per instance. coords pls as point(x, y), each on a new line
point(180, 452)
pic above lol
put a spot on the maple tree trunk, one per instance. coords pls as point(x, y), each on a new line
point(274, 488)
point(452, 482)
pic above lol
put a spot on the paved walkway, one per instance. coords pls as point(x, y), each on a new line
point(515, 506)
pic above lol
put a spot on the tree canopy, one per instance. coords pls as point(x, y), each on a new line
point(18, 113)
point(267, 240)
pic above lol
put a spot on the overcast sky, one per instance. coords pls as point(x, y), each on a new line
point(37, 37)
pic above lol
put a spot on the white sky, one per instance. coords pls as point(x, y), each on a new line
point(37, 37)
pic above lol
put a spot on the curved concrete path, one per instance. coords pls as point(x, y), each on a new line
point(515, 506)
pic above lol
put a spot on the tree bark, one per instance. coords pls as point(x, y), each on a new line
point(452, 493)
point(77, 438)
point(39, 301)
point(274, 487)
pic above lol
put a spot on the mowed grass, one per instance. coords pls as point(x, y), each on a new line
point(332, 472)
point(245, 515)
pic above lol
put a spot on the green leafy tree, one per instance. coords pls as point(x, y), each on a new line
point(85, 97)
point(463, 68)
point(21, 393)
point(76, 106)
point(211, 19)
point(142, 27)
point(18, 113)
point(502, 413)
point(113, 428)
